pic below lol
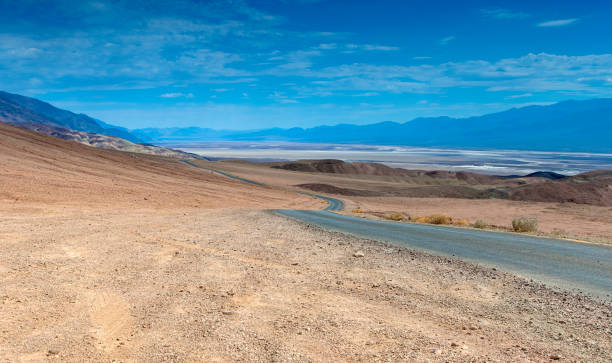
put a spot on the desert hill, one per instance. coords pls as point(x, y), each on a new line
point(594, 188)
point(37, 168)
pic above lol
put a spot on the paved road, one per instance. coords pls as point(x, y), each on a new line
point(332, 203)
point(566, 264)
point(561, 263)
point(188, 162)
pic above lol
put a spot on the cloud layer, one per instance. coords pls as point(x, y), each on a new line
point(237, 53)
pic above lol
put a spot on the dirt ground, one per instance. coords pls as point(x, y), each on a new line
point(107, 256)
point(579, 221)
point(226, 285)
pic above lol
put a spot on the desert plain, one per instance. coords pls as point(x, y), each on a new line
point(114, 256)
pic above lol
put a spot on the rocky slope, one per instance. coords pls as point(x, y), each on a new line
point(35, 115)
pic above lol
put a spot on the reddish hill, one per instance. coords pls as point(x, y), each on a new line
point(44, 170)
point(333, 166)
point(593, 188)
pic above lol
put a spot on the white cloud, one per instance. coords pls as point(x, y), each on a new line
point(530, 73)
point(446, 40)
point(177, 95)
point(529, 94)
point(327, 46)
point(384, 48)
point(500, 13)
point(555, 23)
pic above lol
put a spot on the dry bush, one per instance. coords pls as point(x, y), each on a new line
point(421, 220)
point(396, 217)
point(481, 223)
point(435, 219)
point(525, 224)
point(461, 222)
point(439, 219)
point(357, 210)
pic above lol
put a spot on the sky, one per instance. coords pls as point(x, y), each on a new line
point(239, 64)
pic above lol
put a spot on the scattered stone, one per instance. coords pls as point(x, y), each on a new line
point(228, 312)
point(555, 356)
point(453, 344)
point(436, 351)
point(53, 352)
point(359, 254)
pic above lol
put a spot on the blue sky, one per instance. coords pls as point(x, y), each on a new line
point(238, 64)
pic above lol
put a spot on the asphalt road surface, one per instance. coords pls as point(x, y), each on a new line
point(224, 173)
point(561, 263)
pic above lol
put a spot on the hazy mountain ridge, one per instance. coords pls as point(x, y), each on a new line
point(35, 115)
point(18, 109)
point(566, 126)
point(578, 126)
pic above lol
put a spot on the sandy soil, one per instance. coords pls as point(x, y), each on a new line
point(563, 219)
point(106, 256)
point(224, 285)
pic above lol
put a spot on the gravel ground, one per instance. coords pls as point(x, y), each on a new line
point(238, 284)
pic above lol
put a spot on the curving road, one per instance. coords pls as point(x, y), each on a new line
point(189, 162)
point(561, 263)
point(333, 204)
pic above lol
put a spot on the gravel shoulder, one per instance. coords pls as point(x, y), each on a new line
point(241, 284)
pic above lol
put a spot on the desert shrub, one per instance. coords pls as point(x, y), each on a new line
point(439, 219)
point(396, 217)
point(421, 220)
point(357, 210)
point(434, 219)
point(481, 223)
point(525, 224)
point(461, 222)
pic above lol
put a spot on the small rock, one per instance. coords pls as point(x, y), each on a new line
point(228, 312)
point(53, 352)
point(359, 254)
point(436, 351)
point(453, 344)
point(473, 327)
point(555, 356)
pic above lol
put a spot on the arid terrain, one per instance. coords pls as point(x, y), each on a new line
point(376, 191)
point(113, 256)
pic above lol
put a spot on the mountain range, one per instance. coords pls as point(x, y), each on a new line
point(573, 126)
point(584, 126)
